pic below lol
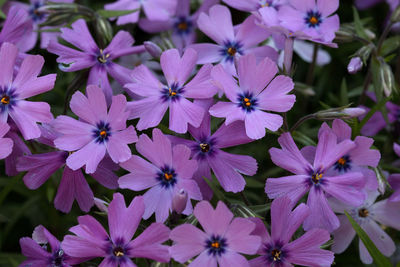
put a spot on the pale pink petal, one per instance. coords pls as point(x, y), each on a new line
point(182, 113)
point(89, 155)
point(218, 25)
point(257, 121)
point(213, 221)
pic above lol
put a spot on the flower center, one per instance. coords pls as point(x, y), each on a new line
point(313, 19)
point(167, 177)
point(172, 92)
point(103, 58)
point(216, 245)
point(5, 99)
point(363, 212)
point(102, 133)
point(247, 102)
point(343, 164)
point(204, 147)
point(182, 26)
point(276, 254)
point(118, 252)
point(57, 259)
point(231, 51)
point(316, 177)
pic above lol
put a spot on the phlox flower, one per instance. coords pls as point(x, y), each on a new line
point(254, 5)
point(14, 91)
point(367, 215)
point(6, 144)
point(207, 150)
point(394, 179)
point(168, 171)
point(155, 10)
point(310, 174)
point(15, 27)
point(277, 249)
point(97, 132)
point(157, 97)
point(311, 17)
point(359, 158)
point(258, 91)
point(182, 23)
point(221, 242)
point(92, 241)
point(35, 249)
point(231, 44)
point(88, 55)
point(35, 18)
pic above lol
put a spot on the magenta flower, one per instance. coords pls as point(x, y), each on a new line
point(206, 149)
point(157, 97)
point(312, 17)
point(231, 44)
point(155, 10)
point(89, 55)
point(168, 171)
point(367, 215)
point(359, 158)
point(15, 27)
point(6, 144)
point(313, 177)
point(37, 255)
point(92, 241)
point(35, 18)
point(394, 179)
point(182, 24)
point(14, 91)
point(257, 91)
point(277, 249)
point(97, 132)
point(222, 240)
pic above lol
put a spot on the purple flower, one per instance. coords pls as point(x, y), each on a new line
point(394, 179)
point(157, 97)
point(206, 149)
point(355, 65)
point(15, 27)
point(257, 91)
point(168, 171)
point(367, 215)
point(313, 177)
point(254, 5)
point(222, 240)
point(311, 17)
point(277, 249)
point(35, 249)
point(231, 44)
point(35, 18)
point(155, 10)
point(357, 159)
point(6, 144)
point(89, 55)
point(14, 91)
point(97, 132)
point(73, 184)
point(117, 249)
point(182, 24)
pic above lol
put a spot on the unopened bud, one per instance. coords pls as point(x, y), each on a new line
point(354, 112)
point(179, 201)
point(355, 65)
point(101, 204)
point(387, 79)
point(339, 113)
point(104, 31)
point(153, 49)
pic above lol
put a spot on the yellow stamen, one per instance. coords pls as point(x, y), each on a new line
point(168, 176)
point(182, 26)
point(363, 213)
point(5, 100)
point(171, 93)
point(342, 161)
point(103, 133)
point(276, 254)
point(316, 177)
point(231, 51)
point(215, 244)
point(313, 20)
point(204, 147)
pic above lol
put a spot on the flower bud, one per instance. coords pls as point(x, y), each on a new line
point(387, 79)
point(101, 204)
point(153, 49)
point(354, 112)
point(179, 201)
point(355, 65)
point(339, 113)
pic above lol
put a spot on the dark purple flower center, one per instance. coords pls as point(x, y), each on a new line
point(7, 99)
point(216, 245)
point(167, 177)
point(343, 164)
point(103, 57)
point(172, 92)
point(316, 177)
point(363, 212)
point(102, 133)
point(57, 258)
point(118, 252)
point(247, 102)
point(230, 49)
point(274, 253)
point(313, 19)
point(183, 25)
point(34, 12)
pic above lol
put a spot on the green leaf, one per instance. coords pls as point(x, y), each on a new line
point(344, 99)
point(390, 45)
point(358, 24)
point(379, 259)
point(115, 13)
